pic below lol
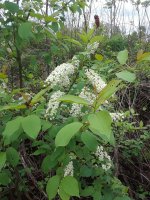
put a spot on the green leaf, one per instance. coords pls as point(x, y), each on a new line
point(39, 96)
point(64, 136)
point(70, 186)
point(122, 57)
point(63, 195)
point(4, 179)
point(31, 126)
point(100, 124)
point(12, 7)
point(12, 156)
point(25, 30)
point(89, 140)
point(74, 41)
point(99, 57)
point(46, 125)
point(13, 107)
point(85, 171)
point(126, 76)
point(73, 99)
point(12, 130)
point(97, 38)
point(143, 56)
point(46, 164)
point(52, 187)
point(107, 92)
point(2, 159)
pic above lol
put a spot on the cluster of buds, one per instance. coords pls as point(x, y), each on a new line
point(85, 94)
point(95, 79)
point(104, 158)
point(53, 105)
point(61, 75)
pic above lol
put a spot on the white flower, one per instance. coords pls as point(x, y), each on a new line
point(61, 74)
point(85, 94)
point(95, 79)
point(68, 171)
point(75, 61)
point(91, 48)
point(103, 157)
point(53, 104)
point(117, 116)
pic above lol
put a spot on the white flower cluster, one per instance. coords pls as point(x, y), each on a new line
point(68, 171)
point(91, 48)
point(53, 104)
point(117, 116)
point(104, 157)
point(27, 5)
point(95, 79)
point(60, 75)
point(85, 94)
point(75, 61)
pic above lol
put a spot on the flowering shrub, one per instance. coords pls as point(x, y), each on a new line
point(73, 153)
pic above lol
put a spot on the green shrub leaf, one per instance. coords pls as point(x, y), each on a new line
point(31, 125)
point(12, 130)
point(52, 187)
point(12, 7)
point(100, 124)
point(73, 99)
point(107, 92)
point(122, 57)
point(12, 156)
point(70, 186)
point(89, 140)
point(25, 30)
point(4, 178)
point(66, 133)
point(2, 159)
point(126, 76)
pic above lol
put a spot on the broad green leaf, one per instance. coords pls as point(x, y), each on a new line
point(46, 125)
point(90, 33)
point(2, 159)
point(12, 7)
point(64, 136)
point(13, 107)
point(126, 76)
point(99, 57)
point(4, 178)
point(39, 96)
point(144, 56)
point(73, 99)
point(25, 30)
point(70, 186)
point(52, 187)
point(89, 140)
point(100, 124)
point(12, 130)
point(31, 126)
point(74, 41)
point(122, 57)
point(50, 19)
point(85, 171)
point(12, 156)
point(97, 38)
point(83, 37)
point(107, 92)
point(46, 164)
point(63, 195)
